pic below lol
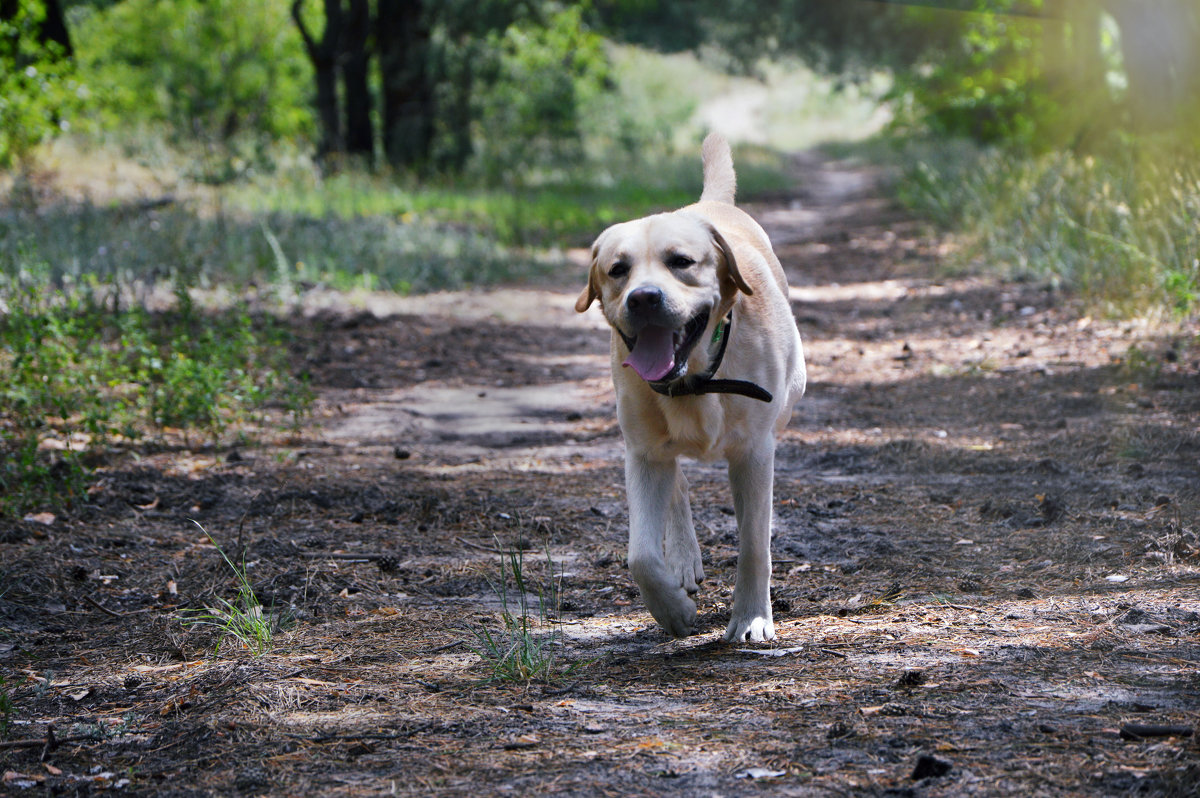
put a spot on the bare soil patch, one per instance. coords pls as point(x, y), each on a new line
point(986, 541)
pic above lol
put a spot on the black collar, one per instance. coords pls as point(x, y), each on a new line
point(696, 384)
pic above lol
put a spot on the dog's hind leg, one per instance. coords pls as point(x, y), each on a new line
point(751, 475)
point(664, 557)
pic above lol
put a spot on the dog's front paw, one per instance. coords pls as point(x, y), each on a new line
point(752, 628)
point(665, 597)
point(673, 609)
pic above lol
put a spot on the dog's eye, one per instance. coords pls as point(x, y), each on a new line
point(679, 261)
point(619, 269)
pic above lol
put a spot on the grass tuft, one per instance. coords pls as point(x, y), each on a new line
point(243, 619)
point(525, 648)
point(7, 710)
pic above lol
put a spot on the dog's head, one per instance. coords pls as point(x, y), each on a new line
point(664, 282)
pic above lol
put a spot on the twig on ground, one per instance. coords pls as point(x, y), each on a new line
point(113, 613)
point(446, 647)
point(561, 690)
point(1140, 731)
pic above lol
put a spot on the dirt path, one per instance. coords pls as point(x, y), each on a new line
point(986, 553)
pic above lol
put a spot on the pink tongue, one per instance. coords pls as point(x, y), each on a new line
point(653, 355)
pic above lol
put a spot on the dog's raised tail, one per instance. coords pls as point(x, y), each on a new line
point(720, 181)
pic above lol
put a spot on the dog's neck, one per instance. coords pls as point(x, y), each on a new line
point(697, 384)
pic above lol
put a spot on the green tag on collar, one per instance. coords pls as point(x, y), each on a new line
point(717, 333)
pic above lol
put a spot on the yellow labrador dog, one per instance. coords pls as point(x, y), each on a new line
point(707, 363)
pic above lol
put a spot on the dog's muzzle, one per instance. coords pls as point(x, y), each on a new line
point(657, 350)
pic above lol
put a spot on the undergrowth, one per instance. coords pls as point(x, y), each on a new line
point(1120, 228)
point(534, 211)
point(84, 369)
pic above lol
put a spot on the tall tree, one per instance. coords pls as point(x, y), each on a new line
point(402, 37)
point(324, 56)
point(355, 63)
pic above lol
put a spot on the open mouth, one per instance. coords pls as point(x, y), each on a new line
point(659, 354)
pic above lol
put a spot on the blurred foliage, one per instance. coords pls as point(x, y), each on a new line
point(988, 85)
point(505, 88)
point(39, 89)
point(1034, 74)
point(547, 74)
point(230, 75)
point(511, 124)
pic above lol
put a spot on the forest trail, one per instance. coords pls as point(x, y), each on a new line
point(986, 549)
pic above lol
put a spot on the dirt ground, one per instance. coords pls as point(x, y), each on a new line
point(987, 563)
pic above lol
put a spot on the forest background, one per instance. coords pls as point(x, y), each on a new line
point(201, 154)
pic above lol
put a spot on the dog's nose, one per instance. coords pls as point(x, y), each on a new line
point(644, 301)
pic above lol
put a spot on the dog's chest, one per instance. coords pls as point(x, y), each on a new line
point(696, 427)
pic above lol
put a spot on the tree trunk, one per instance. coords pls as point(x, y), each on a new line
point(454, 114)
point(356, 62)
point(54, 28)
point(323, 55)
point(402, 36)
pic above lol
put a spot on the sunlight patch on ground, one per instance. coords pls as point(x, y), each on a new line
point(508, 305)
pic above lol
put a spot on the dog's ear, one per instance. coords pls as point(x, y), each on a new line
point(593, 287)
point(729, 271)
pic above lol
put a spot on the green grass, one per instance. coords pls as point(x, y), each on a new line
point(526, 647)
point(1119, 228)
point(355, 230)
point(541, 211)
point(84, 368)
point(243, 620)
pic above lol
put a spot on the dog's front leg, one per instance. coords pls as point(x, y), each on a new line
point(663, 563)
point(751, 475)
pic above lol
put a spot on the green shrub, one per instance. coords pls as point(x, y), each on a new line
point(230, 74)
point(531, 117)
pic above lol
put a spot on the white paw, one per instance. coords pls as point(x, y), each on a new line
point(751, 629)
point(672, 608)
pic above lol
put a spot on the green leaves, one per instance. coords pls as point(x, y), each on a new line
point(40, 93)
point(217, 71)
point(79, 373)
